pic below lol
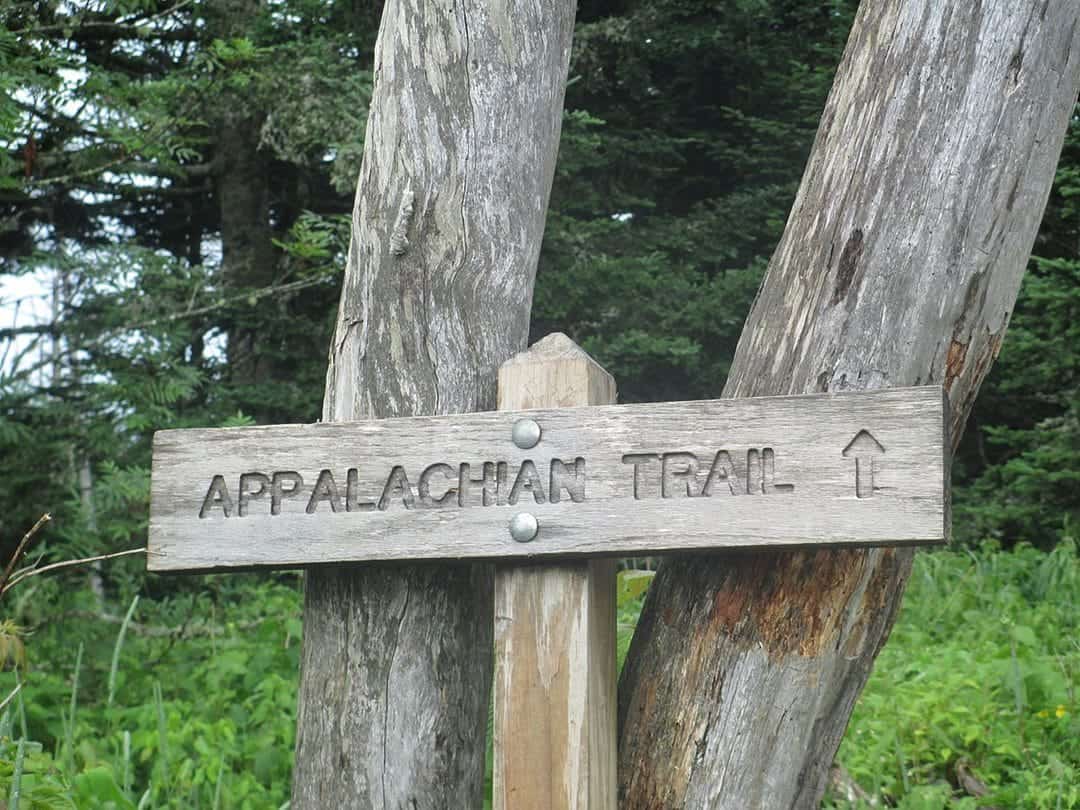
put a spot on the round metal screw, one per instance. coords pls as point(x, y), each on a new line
point(526, 433)
point(524, 527)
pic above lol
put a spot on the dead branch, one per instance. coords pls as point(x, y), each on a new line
point(20, 550)
point(183, 631)
point(26, 573)
point(11, 696)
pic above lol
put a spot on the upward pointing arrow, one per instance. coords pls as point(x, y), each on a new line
point(863, 448)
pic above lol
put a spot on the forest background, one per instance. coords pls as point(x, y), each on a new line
point(176, 180)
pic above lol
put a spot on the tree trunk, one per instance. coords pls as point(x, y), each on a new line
point(242, 174)
point(458, 162)
point(247, 249)
point(899, 266)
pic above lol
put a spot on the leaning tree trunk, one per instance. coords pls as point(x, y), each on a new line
point(899, 266)
point(458, 162)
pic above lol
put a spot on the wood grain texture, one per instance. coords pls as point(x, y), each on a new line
point(899, 266)
point(459, 154)
point(555, 632)
point(778, 471)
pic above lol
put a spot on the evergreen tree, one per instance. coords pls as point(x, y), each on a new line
point(1017, 474)
point(181, 174)
point(688, 127)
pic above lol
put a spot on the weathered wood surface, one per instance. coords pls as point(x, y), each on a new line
point(555, 632)
point(899, 266)
point(459, 154)
point(854, 468)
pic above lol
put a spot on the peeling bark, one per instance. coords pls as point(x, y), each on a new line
point(899, 265)
point(449, 216)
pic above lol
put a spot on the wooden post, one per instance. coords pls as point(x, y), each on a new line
point(555, 631)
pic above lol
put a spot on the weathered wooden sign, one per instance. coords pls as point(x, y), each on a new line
point(857, 468)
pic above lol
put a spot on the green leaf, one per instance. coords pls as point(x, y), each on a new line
point(1025, 635)
point(97, 788)
point(632, 585)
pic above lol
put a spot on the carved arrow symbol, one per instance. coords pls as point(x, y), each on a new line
point(863, 448)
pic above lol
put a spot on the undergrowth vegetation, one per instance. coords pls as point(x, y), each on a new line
point(190, 702)
point(977, 686)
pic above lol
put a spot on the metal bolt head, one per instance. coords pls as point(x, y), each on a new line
point(526, 433)
point(524, 527)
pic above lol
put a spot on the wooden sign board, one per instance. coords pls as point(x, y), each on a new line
point(861, 468)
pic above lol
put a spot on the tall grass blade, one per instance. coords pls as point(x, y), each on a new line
point(902, 764)
point(20, 704)
point(127, 763)
point(217, 787)
point(163, 733)
point(116, 650)
point(144, 802)
point(16, 776)
point(163, 736)
point(69, 727)
point(1019, 698)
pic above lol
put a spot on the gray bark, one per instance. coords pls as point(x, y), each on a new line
point(247, 250)
point(899, 265)
point(242, 174)
point(458, 162)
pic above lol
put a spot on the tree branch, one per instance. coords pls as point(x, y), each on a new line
point(26, 573)
point(32, 329)
point(21, 549)
point(111, 31)
point(153, 631)
point(11, 696)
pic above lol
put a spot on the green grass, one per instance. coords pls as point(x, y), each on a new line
point(151, 720)
point(979, 678)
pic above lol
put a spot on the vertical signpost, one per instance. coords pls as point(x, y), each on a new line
point(553, 492)
point(554, 625)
